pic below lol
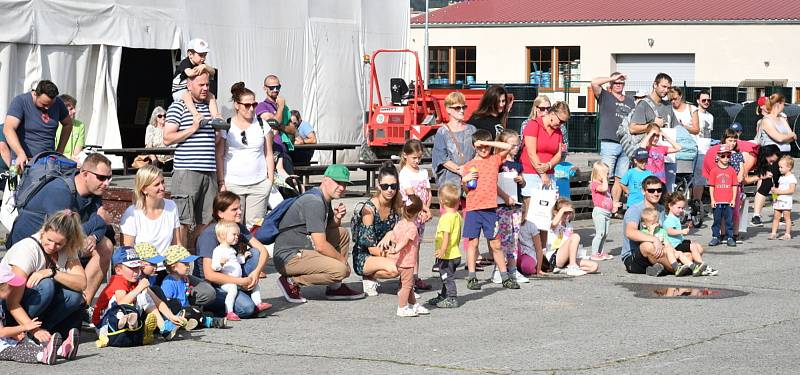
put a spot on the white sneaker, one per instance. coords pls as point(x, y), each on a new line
point(575, 271)
point(520, 277)
point(420, 310)
point(496, 278)
point(370, 287)
point(406, 312)
point(558, 270)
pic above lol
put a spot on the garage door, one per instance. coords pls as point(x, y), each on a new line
point(642, 68)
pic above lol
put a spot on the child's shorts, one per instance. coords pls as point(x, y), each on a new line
point(485, 220)
point(684, 246)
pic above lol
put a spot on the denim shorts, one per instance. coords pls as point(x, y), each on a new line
point(612, 154)
point(485, 220)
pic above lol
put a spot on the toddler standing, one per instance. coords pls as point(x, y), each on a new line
point(415, 181)
point(407, 250)
point(602, 211)
point(509, 210)
point(225, 259)
point(787, 184)
point(448, 255)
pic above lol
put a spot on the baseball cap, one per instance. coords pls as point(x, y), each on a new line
point(641, 94)
point(641, 154)
point(338, 173)
point(737, 127)
point(761, 101)
point(125, 255)
point(178, 253)
point(148, 253)
point(9, 277)
point(724, 149)
point(198, 45)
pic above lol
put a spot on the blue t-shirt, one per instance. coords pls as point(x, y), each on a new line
point(633, 180)
point(673, 222)
point(175, 288)
point(634, 215)
point(36, 129)
point(305, 129)
point(562, 173)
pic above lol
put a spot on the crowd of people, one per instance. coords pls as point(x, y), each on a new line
point(194, 261)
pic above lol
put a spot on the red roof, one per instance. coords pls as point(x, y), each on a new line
point(506, 12)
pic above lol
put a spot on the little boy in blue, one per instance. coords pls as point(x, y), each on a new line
point(632, 180)
point(177, 289)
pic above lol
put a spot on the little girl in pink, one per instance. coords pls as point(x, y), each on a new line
point(406, 250)
point(414, 181)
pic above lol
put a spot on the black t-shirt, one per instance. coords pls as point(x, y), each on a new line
point(179, 79)
point(487, 123)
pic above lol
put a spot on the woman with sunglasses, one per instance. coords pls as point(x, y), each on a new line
point(245, 165)
point(372, 221)
point(452, 145)
point(541, 107)
point(492, 112)
point(154, 138)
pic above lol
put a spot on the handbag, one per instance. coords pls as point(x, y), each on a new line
point(540, 209)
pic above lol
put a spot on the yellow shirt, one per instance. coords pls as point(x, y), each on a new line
point(450, 223)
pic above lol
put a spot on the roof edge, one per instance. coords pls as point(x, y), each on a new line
point(608, 23)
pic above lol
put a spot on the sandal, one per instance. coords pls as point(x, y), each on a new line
point(771, 236)
point(786, 237)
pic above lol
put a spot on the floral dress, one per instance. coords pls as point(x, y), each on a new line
point(365, 237)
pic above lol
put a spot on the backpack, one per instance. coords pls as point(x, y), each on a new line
point(124, 337)
point(270, 227)
point(630, 142)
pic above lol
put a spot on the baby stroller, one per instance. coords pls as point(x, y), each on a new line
point(684, 182)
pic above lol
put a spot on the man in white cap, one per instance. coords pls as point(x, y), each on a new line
point(192, 66)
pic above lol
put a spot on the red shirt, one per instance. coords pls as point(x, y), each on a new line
point(485, 195)
point(723, 181)
point(116, 283)
point(547, 144)
point(710, 159)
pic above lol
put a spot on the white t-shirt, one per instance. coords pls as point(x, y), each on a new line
point(28, 256)
point(556, 238)
point(784, 202)
point(706, 124)
point(232, 266)
point(245, 163)
point(685, 117)
point(417, 180)
point(156, 232)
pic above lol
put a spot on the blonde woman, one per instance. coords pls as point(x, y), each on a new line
point(48, 260)
point(151, 218)
point(452, 145)
point(541, 107)
point(775, 130)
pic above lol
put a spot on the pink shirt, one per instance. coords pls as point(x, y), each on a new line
point(601, 200)
point(407, 256)
point(547, 144)
point(655, 162)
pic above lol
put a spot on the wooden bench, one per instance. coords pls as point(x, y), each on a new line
point(307, 171)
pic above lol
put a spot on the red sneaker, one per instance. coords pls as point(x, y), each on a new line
point(343, 293)
point(231, 316)
point(261, 309)
point(290, 291)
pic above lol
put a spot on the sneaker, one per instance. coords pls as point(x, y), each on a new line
point(406, 312)
point(435, 268)
point(435, 300)
point(231, 316)
point(575, 271)
point(49, 352)
point(557, 270)
point(510, 283)
point(699, 269)
point(420, 310)
point(370, 287)
point(69, 347)
point(191, 323)
point(683, 270)
point(597, 257)
point(169, 331)
point(520, 277)
point(756, 221)
point(710, 272)
point(731, 242)
point(215, 322)
point(714, 242)
point(290, 291)
point(261, 309)
point(472, 284)
point(606, 256)
point(448, 303)
point(654, 270)
point(496, 279)
point(422, 285)
point(739, 239)
point(150, 325)
point(343, 293)
point(87, 318)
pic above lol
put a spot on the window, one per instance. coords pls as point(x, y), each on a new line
point(451, 65)
point(554, 67)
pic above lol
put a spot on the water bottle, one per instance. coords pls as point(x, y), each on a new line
point(473, 184)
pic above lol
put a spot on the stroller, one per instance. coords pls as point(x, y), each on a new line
point(684, 182)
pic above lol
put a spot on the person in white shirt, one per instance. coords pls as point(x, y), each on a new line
point(227, 260)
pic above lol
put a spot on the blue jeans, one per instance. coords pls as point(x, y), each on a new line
point(618, 163)
point(723, 211)
point(58, 308)
point(243, 305)
point(672, 172)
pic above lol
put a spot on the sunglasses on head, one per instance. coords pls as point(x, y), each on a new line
point(101, 177)
point(273, 88)
point(244, 137)
point(654, 191)
point(160, 115)
point(393, 186)
point(458, 108)
point(248, 105)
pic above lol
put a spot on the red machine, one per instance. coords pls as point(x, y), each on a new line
point(412, 112)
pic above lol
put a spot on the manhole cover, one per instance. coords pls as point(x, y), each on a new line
point(680, 291)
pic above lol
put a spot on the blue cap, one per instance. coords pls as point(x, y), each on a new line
point(737, 127)
point(125, 255)
point(641, 154)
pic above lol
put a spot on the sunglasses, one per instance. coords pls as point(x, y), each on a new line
point(724, 156)
point(393, 186)
point(161, 115)
point(244, 137)
point(560, 121)
point(705, 100)
point(619, 83)
point(273, 88)
point(544, 109)
point(458, 108)
point(101, 177)
point(654, 191)
point(248, 105)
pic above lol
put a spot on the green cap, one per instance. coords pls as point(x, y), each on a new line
point(338, 173)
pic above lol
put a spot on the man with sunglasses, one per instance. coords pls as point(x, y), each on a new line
point(643, 253)
point(274, 107)
point(82, 194)
point(32, 121)
point(614, 106)
point(703, 140)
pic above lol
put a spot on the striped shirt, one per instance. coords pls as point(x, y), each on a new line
point(196, 153)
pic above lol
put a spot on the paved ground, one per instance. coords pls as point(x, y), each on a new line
point(590, 324)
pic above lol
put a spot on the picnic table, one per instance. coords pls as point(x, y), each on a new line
point(328, 147)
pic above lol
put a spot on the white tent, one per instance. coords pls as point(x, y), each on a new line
point(314, 46)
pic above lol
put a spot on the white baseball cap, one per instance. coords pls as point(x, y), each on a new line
point(198, 45)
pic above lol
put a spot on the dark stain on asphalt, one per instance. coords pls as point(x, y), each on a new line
point(652, 291)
